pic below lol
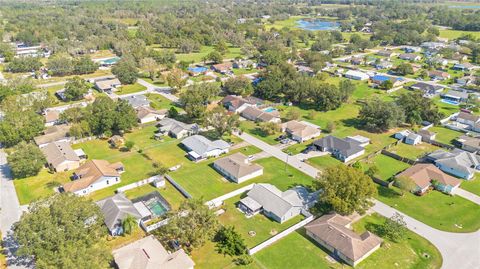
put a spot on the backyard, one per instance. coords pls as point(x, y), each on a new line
point(438, 210)
point(413, 152)
point(387, 166)
point(39, 186)
point(445, 135)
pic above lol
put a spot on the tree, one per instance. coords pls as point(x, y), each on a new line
point(405, 184)
point(394, 228)
point(214, 56)
point(269, 128)
point(80, 129)
point(196, 98)
point(24, 64)
point(221, 121)
point(221, 47)
point(238, 86)
point(60, 66)
point(192, 224)
point(129, 224)
point(404, 69)
point(76, 88)
point(229, 242)
point(7, 52)
point(149, 65)
point(26, 160)
point(63, 231)
point(380, 116)
point(72, 115)
point(172, 112)
point(372, 171)
point(345, 189)
point(129, 144)
point(126, 71)
point(126, 117)
point(386, 85)
point(106, 116)
point(293, 114)
point(84, 65)
point(176, 80)
point(418, 108)
point(330, 126)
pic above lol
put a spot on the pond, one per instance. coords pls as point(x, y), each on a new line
point(317, 24)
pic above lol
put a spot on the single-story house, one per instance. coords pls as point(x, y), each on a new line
point(383, 65)
point(457, 96)
point(438, 61)
point(137, 101)
point(60, 156)
point(275, 204)
point(433, 45)
point(199, 147)
point(438, 75)
point(356, 60)
point(466, 80)
point(428, 89)
point(254, 114)
point(427, 135)
point(412, 49)
point(55, 133)
point(459, 57)
point(94, 175)
point(378, 80)
point(223, 68)
point(413, 139)
point(115, 209)
point(237, 168)
point(148, 253)
point(176, 129)
point(410, 57)
point(107, 85)
point(463, 66)
point(457, 162)
point(52, 117)
point(344, 150)
point(244, 64)
point(401, 135)
point(467, 118)
point(237, 103)
point(356, 75)
point(468, 143)
point(425, 175)
point(386, 53)
point(332, 231)
point(361, 140)
point(147, 114)
point(300, 131)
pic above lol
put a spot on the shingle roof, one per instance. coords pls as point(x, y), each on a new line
point(137, 101)
point(258, 114)
point(346, 148)
point(331, 230)
point(468, 116)
point(238, 165)
point(107, 83)
point(58, 152)
point(148, 253)
point(116, 208)
point(144, 111)
point(423, 174)
point(300, 129)
point(201, 145)
point(52, 134)
point(175, 126)
point(90, 172)
point(458, 159)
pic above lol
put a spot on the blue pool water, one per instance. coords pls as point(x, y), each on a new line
point(466, 6)
point(270, 109)
point(451, 102)
point(113, 60)
point(315, 25)
point(157, 208)
point(198, 69)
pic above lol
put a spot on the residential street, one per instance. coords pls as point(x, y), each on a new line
point(164, 91)
point(459, 250)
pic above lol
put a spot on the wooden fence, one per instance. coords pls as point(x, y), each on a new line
point(398, 157)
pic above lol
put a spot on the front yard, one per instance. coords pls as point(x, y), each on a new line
point(472, 185)
point(131, 88)
point(438, 210)
point(324, 162)
point(42, 185)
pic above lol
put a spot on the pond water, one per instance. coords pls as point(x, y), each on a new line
point(466, 6)
point(317, 24)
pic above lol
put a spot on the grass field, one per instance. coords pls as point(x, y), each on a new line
point(472, 185)
point(453, 34)
point(197, 57)
point(132, 88)
point(157, 101)
point(445, 108)
point(387, 166)
point(413, 152)
point(438, 210)
point(445, 135)
point(324, 162)
point(254, 129)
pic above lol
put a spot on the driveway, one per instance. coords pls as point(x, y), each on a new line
point(164, 91)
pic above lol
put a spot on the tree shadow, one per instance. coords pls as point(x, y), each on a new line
point(388, 192)
point(10, 251)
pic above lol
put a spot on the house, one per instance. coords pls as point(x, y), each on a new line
point(463, 66)
point(361, 140)
point(148, 253)
point(94, 175)
point(340, 148)
point(383, 65)
point(55, 133)
point(199, 147)
point(305, 70)
point(410, 57)
point(115, 209)
point(412, 49)
point(258, 115)
point(401, 135)
point(456, 96)
point(356, 75)
point(52, 117)
point(300, 131)
point(433, 45)
point(107, 84)
point(60, 156)
point(386, 53)
point(332, 231)
point(466, 80)
point(378, 80)
point(468, 143)
point(468, 119)
point(438, 61)
point(137, 100)
point(237, 103)
point(457, 162)
point(275, 204)
point(426, 135)
point(428, 89)
point(356, 60)
point(223, 68)
point(237, 168)
point(413, 139)
point(146, 114)
point(438, 75)
point(176, 129)
point(459, 57)
point(244, 64)
point(426, 175)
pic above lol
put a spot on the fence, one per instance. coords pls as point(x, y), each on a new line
point(219, 200)
point(382, 182)
point(156, 225)
point(440, 144)
point(137, 184)
point(398, 157)
point(178, 187)
point(280, 235)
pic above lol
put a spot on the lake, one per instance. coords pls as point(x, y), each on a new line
point(317, 24)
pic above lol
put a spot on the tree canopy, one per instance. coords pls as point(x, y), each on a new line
point(26, 160)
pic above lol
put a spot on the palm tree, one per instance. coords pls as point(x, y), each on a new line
point(129, 224)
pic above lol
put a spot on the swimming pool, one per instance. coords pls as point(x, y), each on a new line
point(110, 61)
point(316, 25)
point(450, 102)
point(155, 203)
point(198, 69)
point(270, 109)
point(156, 207)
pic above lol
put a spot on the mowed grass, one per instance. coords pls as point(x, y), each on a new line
point(263, 227)
point(387, 166)
point(453, 34)
point(324, 162)
point(157, 101)
point(445, 135)
point(197, 57)
point(447, 109)
point(410, 253)
point(438, 210)
point(254, 129)
point(413, 152)
point(131, 88)
point(472, 185)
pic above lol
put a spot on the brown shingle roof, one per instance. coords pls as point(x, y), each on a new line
point(468, 116)
point(299, 129)
point(144, 111)
point(423, 174)
point(58, 152)
point(237, 165)
point(52, 134)
point(90, 172)
point(332, 230)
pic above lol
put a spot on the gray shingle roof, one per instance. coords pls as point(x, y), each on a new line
point(116, 208)
point(458, 159)
point(137, 101)
point(201, 145)
point(346, 148)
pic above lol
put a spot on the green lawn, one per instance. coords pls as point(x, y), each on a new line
point(387, 166)
point(260, 224)
point(447, 109)
point(438, 210)
point(238, 71)
point(197, 57)
point(131, 88)
point(409, 253)
point(254, 129)
point(157, 101)
point(453, 34)
point(413, 152)
point(324, 162)
point(445, 135)
point(472, 185)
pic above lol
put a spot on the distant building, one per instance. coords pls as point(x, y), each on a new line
point(107, 85)
point(410, 57)
point(238, 103)
point(146, 114)
point(356, 75)
point(55, 133)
